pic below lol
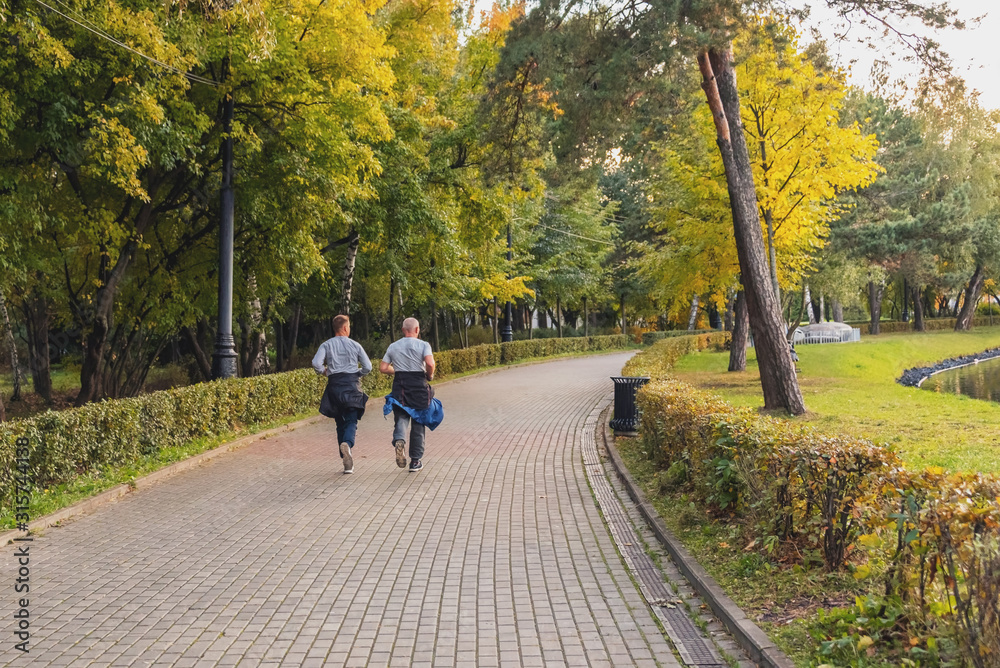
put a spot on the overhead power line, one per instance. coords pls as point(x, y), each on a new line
point(86, 25)
point(579, 236)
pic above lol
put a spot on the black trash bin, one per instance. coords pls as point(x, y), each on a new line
point(626, 420)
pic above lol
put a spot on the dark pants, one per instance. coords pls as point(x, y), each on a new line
point(416, 432)
point(347, 426)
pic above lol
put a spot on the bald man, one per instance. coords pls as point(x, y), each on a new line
point(410, 361)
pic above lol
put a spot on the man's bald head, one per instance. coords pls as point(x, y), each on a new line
point(411, 326)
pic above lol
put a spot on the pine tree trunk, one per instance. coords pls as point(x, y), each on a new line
point(918, 310)
point(12, 347)
point(777, 372)
point(693, 314)
point(741, 331)
point(838, 311)
point(347, 282)
point(875, 292)
point(972, 292)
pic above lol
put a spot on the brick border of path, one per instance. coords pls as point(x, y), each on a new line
point(92, 503)
point(754, 641)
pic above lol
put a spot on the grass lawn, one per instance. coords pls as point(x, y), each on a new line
point(851, 388)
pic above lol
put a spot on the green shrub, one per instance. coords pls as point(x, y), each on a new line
point(649, 338)
point(930, 324)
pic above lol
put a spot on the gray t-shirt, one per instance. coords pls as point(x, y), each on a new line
point(407, 354)
point(341, 355)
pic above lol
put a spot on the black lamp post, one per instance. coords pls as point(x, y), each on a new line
point(507, 332)
point(224, 355)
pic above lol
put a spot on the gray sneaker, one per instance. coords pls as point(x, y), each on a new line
point(400, 446)
point(345, 452)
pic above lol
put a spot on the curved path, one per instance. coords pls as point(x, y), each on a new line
point(495, 554)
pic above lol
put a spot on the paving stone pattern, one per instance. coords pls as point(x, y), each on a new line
point(495, 554)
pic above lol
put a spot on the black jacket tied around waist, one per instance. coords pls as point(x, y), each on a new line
point(411, 389)
point(343, 393)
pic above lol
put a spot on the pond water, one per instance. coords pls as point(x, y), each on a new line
point(979, 381)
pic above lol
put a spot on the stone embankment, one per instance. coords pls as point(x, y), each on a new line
point(918, 374)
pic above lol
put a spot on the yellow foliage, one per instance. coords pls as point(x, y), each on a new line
point(802, 159)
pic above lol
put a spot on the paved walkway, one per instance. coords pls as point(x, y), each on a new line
point(494, 555)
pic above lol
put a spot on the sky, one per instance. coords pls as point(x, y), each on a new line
point(974, 52)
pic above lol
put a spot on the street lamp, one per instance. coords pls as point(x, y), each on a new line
point(224, 355)
point(507, 332)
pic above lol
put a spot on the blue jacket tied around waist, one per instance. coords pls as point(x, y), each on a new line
point(412, 393)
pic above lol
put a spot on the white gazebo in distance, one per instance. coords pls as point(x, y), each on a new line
point(826, 332)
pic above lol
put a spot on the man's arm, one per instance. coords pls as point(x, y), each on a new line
point(385, 364)
point(429, 367)
point(319, 361)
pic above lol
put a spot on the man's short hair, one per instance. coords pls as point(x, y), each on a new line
point(410, 325)
point(339, 322)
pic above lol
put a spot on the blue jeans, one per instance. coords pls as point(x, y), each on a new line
point(347, 426)
point(416, 432)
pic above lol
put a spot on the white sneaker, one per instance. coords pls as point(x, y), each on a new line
point(345, 452)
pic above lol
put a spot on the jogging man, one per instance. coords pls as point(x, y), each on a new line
point(339, 359)
point(411, 363)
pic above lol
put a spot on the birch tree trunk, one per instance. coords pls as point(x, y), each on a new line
point(807, 297)
point(12, 347)
point(693, 314)
point(347, 280)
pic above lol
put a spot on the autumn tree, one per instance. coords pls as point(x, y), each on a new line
point(801, 155)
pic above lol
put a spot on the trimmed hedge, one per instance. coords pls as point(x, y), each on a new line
point(64, 444)
point(649, 338)
point(930, 324)
point(932, 540)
